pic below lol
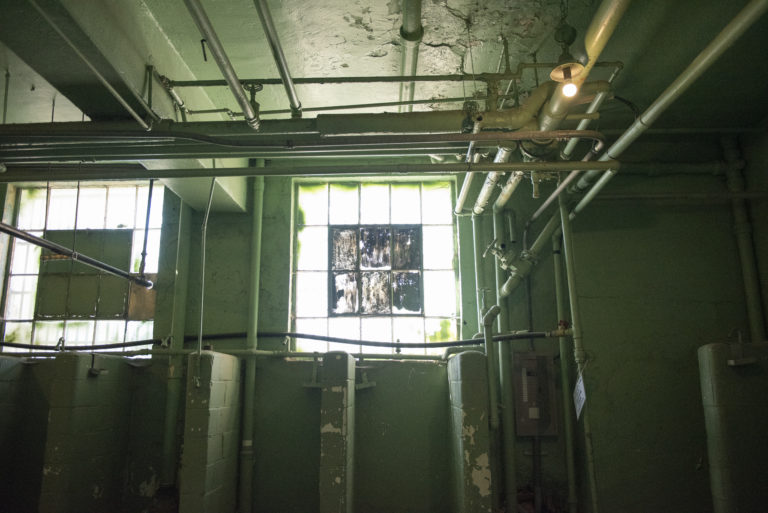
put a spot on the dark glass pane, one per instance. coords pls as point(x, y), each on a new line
point(344, 249)
point(407, 254)
point(374, 248)
point(376, 289)
point(344, 293)
point(406, 293)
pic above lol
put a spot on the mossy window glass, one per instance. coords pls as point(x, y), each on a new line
point(48, 297)
point(371, 260)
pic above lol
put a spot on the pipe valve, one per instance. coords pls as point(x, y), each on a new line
point(503, 255)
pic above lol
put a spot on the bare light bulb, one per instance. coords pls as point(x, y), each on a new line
point(570, 89)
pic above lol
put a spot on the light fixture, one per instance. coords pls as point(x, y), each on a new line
point(570, 89)
point(567, 68)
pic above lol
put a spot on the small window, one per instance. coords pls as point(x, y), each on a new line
point(375, 261)
point(48, 296)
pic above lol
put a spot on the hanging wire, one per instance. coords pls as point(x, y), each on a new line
point(202, 278)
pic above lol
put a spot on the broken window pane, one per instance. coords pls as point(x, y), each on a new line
point(344, 293)
point(344, 249)
point(375, 293)
point(374, 248)
point(407, 253)
point(344, 204)
point(406, 293)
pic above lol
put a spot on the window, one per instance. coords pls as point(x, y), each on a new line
point(374, 261)
point(48, 296)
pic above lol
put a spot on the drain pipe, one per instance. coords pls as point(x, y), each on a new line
point(579, 353)
point(740, 23)
point(484, 197)
point(247, 457)
point(479, 275)
point(743, 231)
point(506, 382)
point(222, 61)
point(490, 356)
point(277, 53)
point(565, 378)
point(410, 35)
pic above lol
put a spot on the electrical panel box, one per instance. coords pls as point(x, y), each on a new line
point(535, 395)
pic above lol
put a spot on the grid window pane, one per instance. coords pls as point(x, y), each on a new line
point(62, 209)
point(406, 204)
point(313, 204)
point(312, 248)
point(121, 207)
point(438, 247)
point(441, 296)
point(48, 332)
point(138, 330)
point(311, 294)
point(26, 257)
point(374, 248)
point(79, 333)
point(32, 209)
point(439, 330)
point(344, 207)
point(109, 332)
point(376, 293)
point(344, 293)
point(156, 209)
point(344, 327)
point(312, 327)
point(376, 329)
point(18, 332)
point(344, 249)
point(20, 302)
point(436, 204)
point(408, 330)
point(153, 251)
point(374, 201)
point(91, 208)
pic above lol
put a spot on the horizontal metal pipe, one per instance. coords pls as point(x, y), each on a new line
point(46, 173)
point(222, 61)
point(277, 53)
point(78, 257)
point(479, 77)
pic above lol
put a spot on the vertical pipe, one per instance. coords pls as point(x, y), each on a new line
point(247, 456)
point(410, 34)
point(565, 378)
point(743, 230)
point(505, 378)
point(203, 236)
point(146, 228)
point(5, 94)
point(479, 275)
point(222, 61)
point(277, 53)
point(484, 196)
point(467, 183)
point(490, 355)
point(578, 344)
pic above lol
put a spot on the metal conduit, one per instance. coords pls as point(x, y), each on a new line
point(277, 53)
point(740, 23)
point(484, 196)
point(222, 61)
point(410, 34)
point(78, 257)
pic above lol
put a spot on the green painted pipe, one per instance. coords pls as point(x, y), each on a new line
point(247, 458)
point(565, 378)
point(578, 344)
point(490, 355)
point(506, 383)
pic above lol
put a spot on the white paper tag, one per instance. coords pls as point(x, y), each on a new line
point(579, 396)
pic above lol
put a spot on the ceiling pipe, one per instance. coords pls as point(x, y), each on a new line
point(277, 54)
point(410, 35)
point(75, 172)
point(740, 23)
point(222, 61)
point(599, 32)
point(484, 196)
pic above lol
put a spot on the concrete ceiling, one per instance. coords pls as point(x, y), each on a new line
point(44, 39)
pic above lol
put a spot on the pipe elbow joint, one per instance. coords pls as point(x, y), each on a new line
point(491, 315)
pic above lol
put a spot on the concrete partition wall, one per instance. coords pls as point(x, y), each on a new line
point(209, 462)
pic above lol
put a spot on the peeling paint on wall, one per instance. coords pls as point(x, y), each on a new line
point(481, 475)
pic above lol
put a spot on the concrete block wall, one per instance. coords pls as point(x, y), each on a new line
point(87, 431)
point(209, 463)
